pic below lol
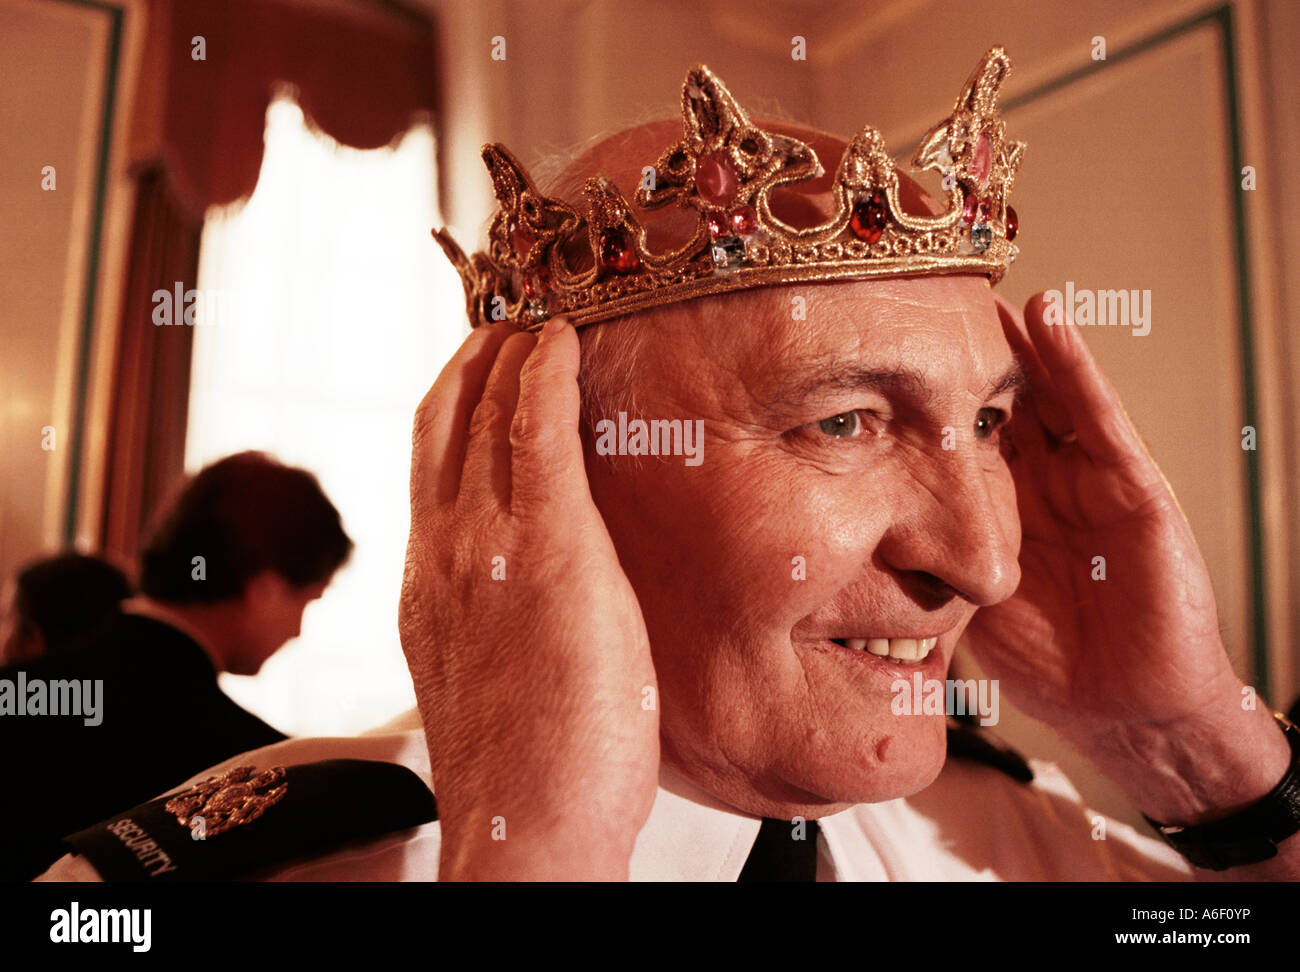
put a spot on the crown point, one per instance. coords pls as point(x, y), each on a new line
point(869, 216)
point(714, 180)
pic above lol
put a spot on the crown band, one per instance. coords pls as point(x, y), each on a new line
point(725, 168)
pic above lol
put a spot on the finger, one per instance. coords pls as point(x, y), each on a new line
point(1026, 436)
point(487, 453)
point(546, 448)
point(1096, 414)
point(1044, 399)
point(442, 418)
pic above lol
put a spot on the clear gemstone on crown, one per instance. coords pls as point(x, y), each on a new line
point(728, 252)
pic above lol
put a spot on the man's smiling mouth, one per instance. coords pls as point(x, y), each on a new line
point(897, 649)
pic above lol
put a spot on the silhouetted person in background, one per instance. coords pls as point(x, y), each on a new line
point(224, 579)
point(58, 605)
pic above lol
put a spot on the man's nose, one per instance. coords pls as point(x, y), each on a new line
point(961, 527)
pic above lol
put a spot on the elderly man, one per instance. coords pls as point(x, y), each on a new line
point(640, 658)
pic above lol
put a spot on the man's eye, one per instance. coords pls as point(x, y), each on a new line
point(843, 426)
point(988, 421)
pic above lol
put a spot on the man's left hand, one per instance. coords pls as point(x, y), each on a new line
point(1113, 635)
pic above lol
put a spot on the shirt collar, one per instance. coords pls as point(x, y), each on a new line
point(691, 836)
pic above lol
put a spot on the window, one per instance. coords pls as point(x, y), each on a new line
point(326, 310)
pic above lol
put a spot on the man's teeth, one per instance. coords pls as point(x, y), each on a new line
point(899, 649)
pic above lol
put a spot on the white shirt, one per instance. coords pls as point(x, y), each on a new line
point(972, 824)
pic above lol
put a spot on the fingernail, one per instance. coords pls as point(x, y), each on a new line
point(555, 325)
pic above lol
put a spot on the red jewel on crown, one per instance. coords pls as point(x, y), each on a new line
point(980, 166)
point(977, 210)
point(616, 252)
point(537, 284)
point(714, 179)
point(744, 220)
point(521, 240)
point(869, 217)
point(740, 222)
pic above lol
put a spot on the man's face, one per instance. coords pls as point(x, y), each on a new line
point(273, 610)
point(852, 487)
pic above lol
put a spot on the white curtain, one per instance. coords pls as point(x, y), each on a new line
point(325, 312)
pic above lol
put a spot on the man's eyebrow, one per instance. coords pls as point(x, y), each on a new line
point(840, 377)
point(903, 381)
point(1013, 379)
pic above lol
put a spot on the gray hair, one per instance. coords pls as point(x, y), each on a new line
point(610, 351)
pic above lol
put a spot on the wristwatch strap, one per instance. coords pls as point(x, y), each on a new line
point(1250, 835)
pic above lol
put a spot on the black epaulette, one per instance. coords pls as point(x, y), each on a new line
point(969, 742)
point(247, 820)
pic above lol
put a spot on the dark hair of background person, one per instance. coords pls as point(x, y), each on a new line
point(71, 599)
point(244, 514)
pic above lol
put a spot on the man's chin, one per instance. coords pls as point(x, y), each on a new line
point(814, 782)
point(895, 766)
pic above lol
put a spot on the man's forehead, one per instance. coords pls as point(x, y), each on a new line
point(780, 340)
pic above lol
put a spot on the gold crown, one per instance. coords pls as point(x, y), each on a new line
point(726, 168)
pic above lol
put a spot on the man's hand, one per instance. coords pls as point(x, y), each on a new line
point(524, 638)
point(1130, 668)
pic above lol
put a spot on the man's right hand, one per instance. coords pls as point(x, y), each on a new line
point(524, 638)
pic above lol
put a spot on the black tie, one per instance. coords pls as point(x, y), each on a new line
point(780, 855)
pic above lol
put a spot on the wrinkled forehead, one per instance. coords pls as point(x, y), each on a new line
point(766, 341)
